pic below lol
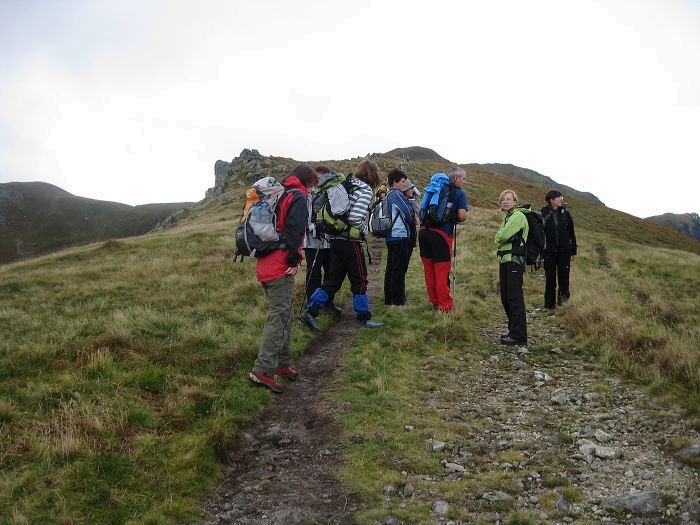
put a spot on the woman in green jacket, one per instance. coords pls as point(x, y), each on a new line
point(514, 227)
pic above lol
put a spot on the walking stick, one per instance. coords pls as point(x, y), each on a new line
point(306, 287)
point(454, 263)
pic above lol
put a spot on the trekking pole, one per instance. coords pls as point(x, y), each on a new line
point(306, 287)
point(454, 263)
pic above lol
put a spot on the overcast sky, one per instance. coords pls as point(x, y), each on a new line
point(134, 101)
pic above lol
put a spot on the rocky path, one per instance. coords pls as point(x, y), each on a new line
point(577, 445)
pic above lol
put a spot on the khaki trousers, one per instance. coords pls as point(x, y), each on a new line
point(277, 334)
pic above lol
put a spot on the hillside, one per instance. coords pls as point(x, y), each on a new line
point(685, 223)
point(37, 218)
point(535, 178)
point(415, 153)
point(123, 389)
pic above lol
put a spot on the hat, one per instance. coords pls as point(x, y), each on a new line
point(409, 185)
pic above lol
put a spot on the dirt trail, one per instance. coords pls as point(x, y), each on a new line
point(283, 466)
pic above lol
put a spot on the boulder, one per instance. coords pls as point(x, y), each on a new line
point(641, 503)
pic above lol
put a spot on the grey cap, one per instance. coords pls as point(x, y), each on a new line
point(409, 185)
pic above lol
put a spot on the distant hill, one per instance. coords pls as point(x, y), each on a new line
point(538, 179)
point(415, 153)
point(37, 218)
point(685, 223)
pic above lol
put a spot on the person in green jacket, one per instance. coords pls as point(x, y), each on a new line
point(511, 268)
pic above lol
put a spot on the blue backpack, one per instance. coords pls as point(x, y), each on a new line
point(437, 206)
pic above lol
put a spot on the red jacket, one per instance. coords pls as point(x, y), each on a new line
point(292, 217)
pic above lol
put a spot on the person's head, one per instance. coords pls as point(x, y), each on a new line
point(409, 189)
point(508, 200)
point(554, 199)
point(306, 175)
point(396, 179)
point(368, 172)
point(458, 176)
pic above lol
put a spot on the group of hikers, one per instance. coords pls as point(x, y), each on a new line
point(336, 253)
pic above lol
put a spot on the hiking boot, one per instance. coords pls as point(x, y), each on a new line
point(310, 321)
point(511, 342)
point(266, 381)
point(287, 372)
point(336, 310)
point(369, 323)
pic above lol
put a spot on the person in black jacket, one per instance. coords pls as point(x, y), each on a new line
point(560, 251)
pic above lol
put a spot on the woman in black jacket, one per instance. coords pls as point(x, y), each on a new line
point(561, 248)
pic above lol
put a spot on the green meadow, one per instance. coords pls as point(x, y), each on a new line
point(123, 364)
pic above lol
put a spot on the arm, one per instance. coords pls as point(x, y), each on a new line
point(572, 234)
point(404, 207)
point(462, 206)
point(361, 199)
point(513, 225)
point(295, 228)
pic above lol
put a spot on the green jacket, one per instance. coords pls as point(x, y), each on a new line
point(513, 222)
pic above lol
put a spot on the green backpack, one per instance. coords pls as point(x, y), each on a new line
point(331, 204)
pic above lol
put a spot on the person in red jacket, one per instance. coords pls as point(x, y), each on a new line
point(275, 272)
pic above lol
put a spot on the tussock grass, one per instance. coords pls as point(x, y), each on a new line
point(122, 374)
point(641, 314)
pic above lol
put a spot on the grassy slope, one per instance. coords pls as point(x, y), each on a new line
point(122, 366)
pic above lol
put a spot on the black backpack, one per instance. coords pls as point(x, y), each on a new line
point(533, 248)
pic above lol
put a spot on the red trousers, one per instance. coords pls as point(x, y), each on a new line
point(436, 255)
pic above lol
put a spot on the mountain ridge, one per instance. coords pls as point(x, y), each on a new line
point(684, 223)
point(38, 217)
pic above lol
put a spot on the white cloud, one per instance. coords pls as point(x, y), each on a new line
point(138, 103)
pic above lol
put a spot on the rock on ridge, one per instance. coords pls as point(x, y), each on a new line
point(245, 169)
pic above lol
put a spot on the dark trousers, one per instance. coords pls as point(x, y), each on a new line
point(347, 259)
point(556, 267)
point(395, 273)
point(318, 262)
point(513, 300)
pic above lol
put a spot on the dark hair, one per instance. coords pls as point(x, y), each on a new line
point(368, 171)
point(552, 194)
point(321, 169)
point(305, 174)
point(395, 176)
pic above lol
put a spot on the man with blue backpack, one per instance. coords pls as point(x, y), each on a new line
point(444, 205)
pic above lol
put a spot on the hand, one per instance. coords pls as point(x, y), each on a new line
point(573, 258)
point(292, 270)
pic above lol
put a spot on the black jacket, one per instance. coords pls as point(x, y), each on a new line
point(559, 230)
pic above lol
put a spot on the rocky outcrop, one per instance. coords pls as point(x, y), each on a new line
point(243, 170)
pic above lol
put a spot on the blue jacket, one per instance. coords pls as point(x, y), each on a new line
point(402, 215)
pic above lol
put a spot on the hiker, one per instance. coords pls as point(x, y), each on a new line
point(435, 238)
point(411, 192)
point(510, 272)
point(276, 272)
point(347, 256)
point(560, 250)
point(317, 249)
point(398, 241)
